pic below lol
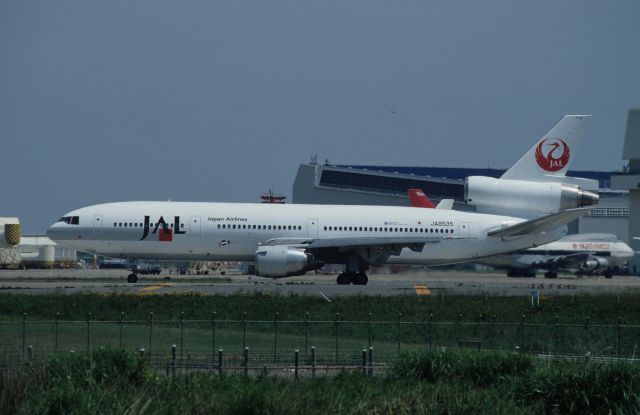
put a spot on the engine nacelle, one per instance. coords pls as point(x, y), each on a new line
point(594, 263)
point(524, 198)
point(281, 261)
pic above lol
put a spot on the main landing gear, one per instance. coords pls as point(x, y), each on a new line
point(132, 278)
point(355, 278)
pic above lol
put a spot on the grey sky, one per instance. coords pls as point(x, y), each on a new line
point(221, 100)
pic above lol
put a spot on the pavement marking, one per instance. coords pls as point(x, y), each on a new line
point(422, 289)
point(158, 286)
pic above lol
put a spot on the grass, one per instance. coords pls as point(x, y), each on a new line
point(603, 309)
point(400, 322)
point(429, 382)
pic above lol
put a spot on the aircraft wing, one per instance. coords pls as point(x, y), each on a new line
point(373, 250)
point(538, 225)
point(416, 243)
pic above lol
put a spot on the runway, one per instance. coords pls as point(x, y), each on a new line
point(427, 283)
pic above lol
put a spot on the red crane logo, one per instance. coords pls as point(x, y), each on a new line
point(551, 161)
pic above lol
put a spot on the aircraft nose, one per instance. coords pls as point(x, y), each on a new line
point(53, 232)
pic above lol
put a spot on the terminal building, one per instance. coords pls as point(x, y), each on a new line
point(387, 185)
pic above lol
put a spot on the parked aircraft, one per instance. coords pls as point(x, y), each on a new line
point(583, 254)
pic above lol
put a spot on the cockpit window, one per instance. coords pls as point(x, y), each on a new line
point(70, 220)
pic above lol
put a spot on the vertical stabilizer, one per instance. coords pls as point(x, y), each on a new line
point(550, 157)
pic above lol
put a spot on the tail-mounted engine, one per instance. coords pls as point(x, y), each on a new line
point(524, 198)
point(282, 261)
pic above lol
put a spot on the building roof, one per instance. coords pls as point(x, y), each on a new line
point(460, 173)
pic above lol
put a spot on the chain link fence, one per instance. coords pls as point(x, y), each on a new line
point(306, 345)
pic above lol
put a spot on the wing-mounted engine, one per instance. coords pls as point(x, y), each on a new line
point(524, 198)
point(593, 264)
point(283, 261)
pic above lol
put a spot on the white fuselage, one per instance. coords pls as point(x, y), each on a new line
point(605, 247)
point(234, 231)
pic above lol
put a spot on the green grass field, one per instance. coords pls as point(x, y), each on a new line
point(397, 324)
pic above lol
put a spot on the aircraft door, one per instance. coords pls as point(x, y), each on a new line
point(312, 228)
point(463, 229)
point(97, 224)
point(195, 227)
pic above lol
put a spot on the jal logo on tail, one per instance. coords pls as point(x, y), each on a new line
point(166, 233)
point(552, 154)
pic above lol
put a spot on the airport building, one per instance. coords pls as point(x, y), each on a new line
point(387, 185)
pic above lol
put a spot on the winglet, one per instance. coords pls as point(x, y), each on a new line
point(550, 157)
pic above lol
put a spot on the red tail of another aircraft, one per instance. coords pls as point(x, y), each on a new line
point(419, 199)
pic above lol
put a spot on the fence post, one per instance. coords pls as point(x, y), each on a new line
point(587, 327)
point(30, 353)
point(173, 359)
point(55, 346)
point(150, 330)
point(142, 353)
point(370, 328)
point(181, 335)
point(220, 361)
point(313, 361)
point(398, 331)
point(275, 337)
point(556, 336)
point(618, 336)
point(523, 333)
point(88, 331)
point(121, 326)
point(480, 328)
point(244, 330)
point(459, 328)
point(306, 335)
point(24, 333)
point(494, 331)
point(336, 324)
point(370, 361)
point(246, 362)
point(213, 339)
point(296, 361)
point(430, 331)
point(364, 361)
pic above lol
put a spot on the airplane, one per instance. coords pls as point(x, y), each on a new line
point(584, 254)
point(286, 240)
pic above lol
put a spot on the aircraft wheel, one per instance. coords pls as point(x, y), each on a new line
point(361, 279)
point(608, 274)
point(551, 275)
point(132, 278)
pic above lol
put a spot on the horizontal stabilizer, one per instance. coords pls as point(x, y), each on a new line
point(446, 204)
point(539, 225)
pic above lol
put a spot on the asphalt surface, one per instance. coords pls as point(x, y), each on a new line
point(430, 283)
